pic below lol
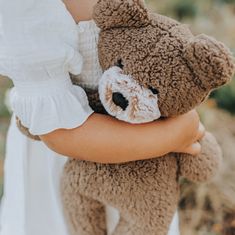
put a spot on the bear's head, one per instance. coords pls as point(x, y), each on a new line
point(154, 66)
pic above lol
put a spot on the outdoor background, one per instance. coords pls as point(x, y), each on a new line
point(207, 209)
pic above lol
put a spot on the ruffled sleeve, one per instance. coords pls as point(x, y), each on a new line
point(38, 50)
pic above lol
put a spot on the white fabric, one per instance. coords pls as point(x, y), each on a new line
point(31, 203)
point(88, 39)
point(38, 49)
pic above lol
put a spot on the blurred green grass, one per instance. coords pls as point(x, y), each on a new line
point(4, 122)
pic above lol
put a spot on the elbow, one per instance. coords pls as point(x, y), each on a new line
point(54, 142)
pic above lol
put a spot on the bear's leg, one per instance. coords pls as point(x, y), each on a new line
point(85, 216)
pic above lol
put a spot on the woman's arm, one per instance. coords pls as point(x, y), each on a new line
point(80, 9)
point(104, 139)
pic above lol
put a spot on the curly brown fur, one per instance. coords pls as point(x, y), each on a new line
point(119, 13)
point(163, 59)
point(162, 55)
point(142, 191)
point(145, 192)
point(86, 216)
point(211, 60)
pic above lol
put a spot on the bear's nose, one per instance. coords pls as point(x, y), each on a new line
point(120, 100)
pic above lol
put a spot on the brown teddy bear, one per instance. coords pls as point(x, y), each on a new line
point(153, 67)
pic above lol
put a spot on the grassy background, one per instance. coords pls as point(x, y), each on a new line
point(4, 121)
point(209, 209)
point(205, 209)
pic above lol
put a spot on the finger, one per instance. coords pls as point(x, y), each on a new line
point(201, 132)
point(194, 149)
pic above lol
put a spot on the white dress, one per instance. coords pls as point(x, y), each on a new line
point(31, 204)
point(38, 50)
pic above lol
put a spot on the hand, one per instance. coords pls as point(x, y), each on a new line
point(195, 147)
point(190, 133)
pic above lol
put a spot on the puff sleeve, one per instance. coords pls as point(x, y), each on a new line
point(38, 50)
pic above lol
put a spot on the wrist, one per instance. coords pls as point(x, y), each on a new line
point(174, 128)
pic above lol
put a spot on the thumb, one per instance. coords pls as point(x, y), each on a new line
point(194, 149)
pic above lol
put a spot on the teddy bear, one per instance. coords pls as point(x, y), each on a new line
point(153, 67)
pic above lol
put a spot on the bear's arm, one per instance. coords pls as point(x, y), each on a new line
point(204, 166)
point(92, 95)
point(94, 101)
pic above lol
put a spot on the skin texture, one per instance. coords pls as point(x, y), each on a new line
point(120, 134)
point(184, 69)
point(80, 9)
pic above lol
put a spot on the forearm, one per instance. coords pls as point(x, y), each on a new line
point(106, 140)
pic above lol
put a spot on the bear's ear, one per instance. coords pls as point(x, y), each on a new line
point(120, 13)
point(211, 62)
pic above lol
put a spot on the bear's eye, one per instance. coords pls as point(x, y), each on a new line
point(120, 64)
point(154, 90)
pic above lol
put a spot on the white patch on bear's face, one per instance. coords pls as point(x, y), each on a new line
point(142, 103)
